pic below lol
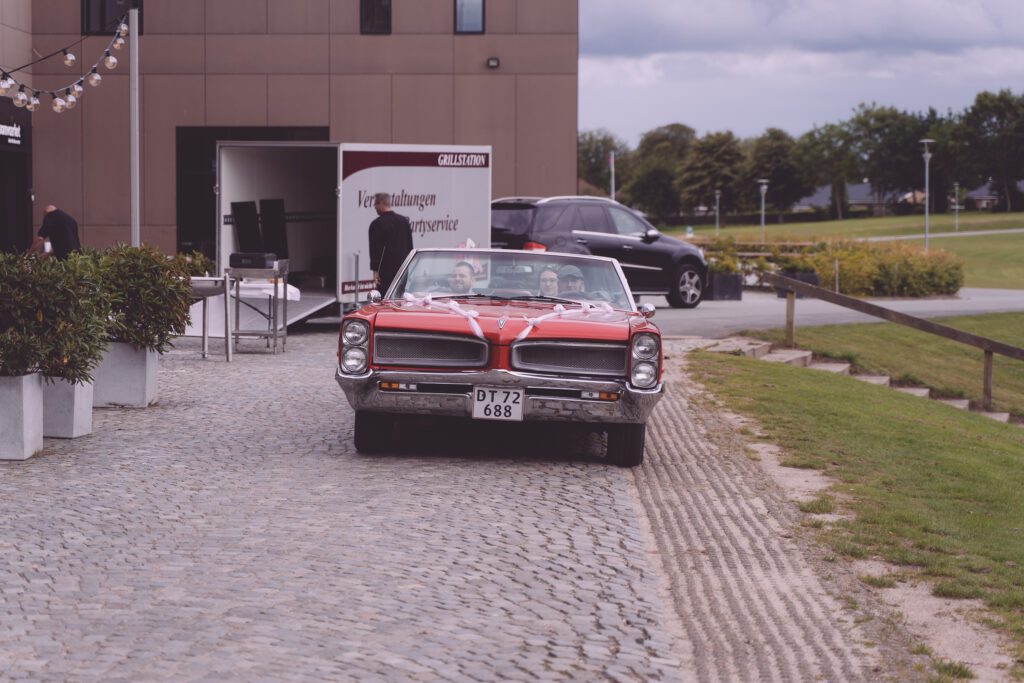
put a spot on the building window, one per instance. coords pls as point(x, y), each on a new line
point(375, 16)
point(469, 16)
point(100, 17)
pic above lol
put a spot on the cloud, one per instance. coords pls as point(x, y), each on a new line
point(787, 88)
point(646, 27)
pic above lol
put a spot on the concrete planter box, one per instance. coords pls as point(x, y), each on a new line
point(21, 416)
point(809, 278)
point(126, 377)
point(67, 409)
point(725, 287)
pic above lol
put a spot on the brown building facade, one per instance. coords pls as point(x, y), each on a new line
point(290, 70)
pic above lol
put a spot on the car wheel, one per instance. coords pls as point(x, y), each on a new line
point(687, 287)
point(374, 432)
point(626, 444)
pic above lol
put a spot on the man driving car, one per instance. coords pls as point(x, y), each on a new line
point(461, 279)
point(570, 280)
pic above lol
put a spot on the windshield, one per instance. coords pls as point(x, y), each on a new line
point(512, 275)
point(513, 219)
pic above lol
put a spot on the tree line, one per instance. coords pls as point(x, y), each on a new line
point(672, 171)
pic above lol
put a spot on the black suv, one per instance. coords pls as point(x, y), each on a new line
point(653, 263)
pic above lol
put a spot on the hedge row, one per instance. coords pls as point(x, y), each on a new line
point(865, 268)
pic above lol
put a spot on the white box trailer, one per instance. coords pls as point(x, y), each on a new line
point(327, 193)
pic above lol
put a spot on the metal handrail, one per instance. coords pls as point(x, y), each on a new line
point(989, 346)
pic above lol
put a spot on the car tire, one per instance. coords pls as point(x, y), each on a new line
point(626, 444)
point(686, 289)
point(373, 432)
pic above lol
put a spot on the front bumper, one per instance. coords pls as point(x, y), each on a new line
point(549, 399)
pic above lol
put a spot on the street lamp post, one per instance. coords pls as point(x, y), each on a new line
point(718, 204)
point(956, 205)
point(927, 160)
point(763, 182)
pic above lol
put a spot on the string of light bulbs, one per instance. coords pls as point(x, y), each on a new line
point(66, 97)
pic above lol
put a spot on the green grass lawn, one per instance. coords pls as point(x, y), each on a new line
point(862, 227)
point(934, 490)
point(949, 368)
point(989, 260)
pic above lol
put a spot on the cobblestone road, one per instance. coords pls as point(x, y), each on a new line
point(231, 532)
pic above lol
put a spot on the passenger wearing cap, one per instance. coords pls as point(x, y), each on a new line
point(570, 280)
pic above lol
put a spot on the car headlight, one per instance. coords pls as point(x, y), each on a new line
point(353, 361)
point(645, 346)
point(644, 375)
point(355, 332)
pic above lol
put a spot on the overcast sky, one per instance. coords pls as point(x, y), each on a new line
point(746, 65)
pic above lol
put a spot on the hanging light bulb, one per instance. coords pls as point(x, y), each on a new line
point(59, 103)
point(122, 30)
point(5, 83)
point(94, 77)
point(119, 43)
point(70, 99)
point(69, 58)
point(20, 99)
point(109, 60)
point(77, 90)
point(33, 102)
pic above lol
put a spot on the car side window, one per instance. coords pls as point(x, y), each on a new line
point(594, 219)
point(626, 223)
point(552, 219)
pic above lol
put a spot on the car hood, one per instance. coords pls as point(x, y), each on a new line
point(502, 321)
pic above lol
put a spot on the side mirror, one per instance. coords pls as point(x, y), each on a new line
point(375, 296)
point(647, 310)
point(651, 235)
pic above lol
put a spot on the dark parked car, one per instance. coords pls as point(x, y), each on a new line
point(653, 263)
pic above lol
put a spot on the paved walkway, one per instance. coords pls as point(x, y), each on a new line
point(938, 235)
point(231, 533)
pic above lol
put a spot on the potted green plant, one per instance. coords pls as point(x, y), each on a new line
point(725, 281)
point(79, 339)
point(798, 267)
point(150, 299)
point(52, 328)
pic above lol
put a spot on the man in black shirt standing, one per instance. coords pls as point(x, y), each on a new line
point(62, 231)
point(390, 242)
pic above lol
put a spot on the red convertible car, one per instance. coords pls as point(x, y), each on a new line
point(493, 334)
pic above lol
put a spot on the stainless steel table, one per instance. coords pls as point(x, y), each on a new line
point(277, 320)
point(203, 288)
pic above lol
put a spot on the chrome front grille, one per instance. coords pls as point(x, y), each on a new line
point(576, 358)
point(428, 350)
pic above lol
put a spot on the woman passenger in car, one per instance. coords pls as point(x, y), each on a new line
point(548, 281)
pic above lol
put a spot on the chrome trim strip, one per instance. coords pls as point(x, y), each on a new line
point(634, 265)
point(431, 362)
point(518, 364)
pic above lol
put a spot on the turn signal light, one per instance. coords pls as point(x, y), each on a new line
point(396, 386)
point(534, 246)
point(600, 395)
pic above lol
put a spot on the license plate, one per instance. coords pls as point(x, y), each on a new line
point(496, 403)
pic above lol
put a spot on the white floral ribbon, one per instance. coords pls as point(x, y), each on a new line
point(450, 306)
point(601, 310)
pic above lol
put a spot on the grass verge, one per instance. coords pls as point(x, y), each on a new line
point(933, 489)
point(949, 368)
point(989, 260)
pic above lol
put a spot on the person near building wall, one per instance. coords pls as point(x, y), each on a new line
point(60, 230)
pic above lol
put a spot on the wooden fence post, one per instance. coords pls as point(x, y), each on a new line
point(986, 400)
point(790, 318)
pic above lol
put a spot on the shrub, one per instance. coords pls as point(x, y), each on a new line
point(151, 296)
point(53, 317)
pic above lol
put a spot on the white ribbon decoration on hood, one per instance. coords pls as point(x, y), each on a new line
point(602, 309)
point(450, 306)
